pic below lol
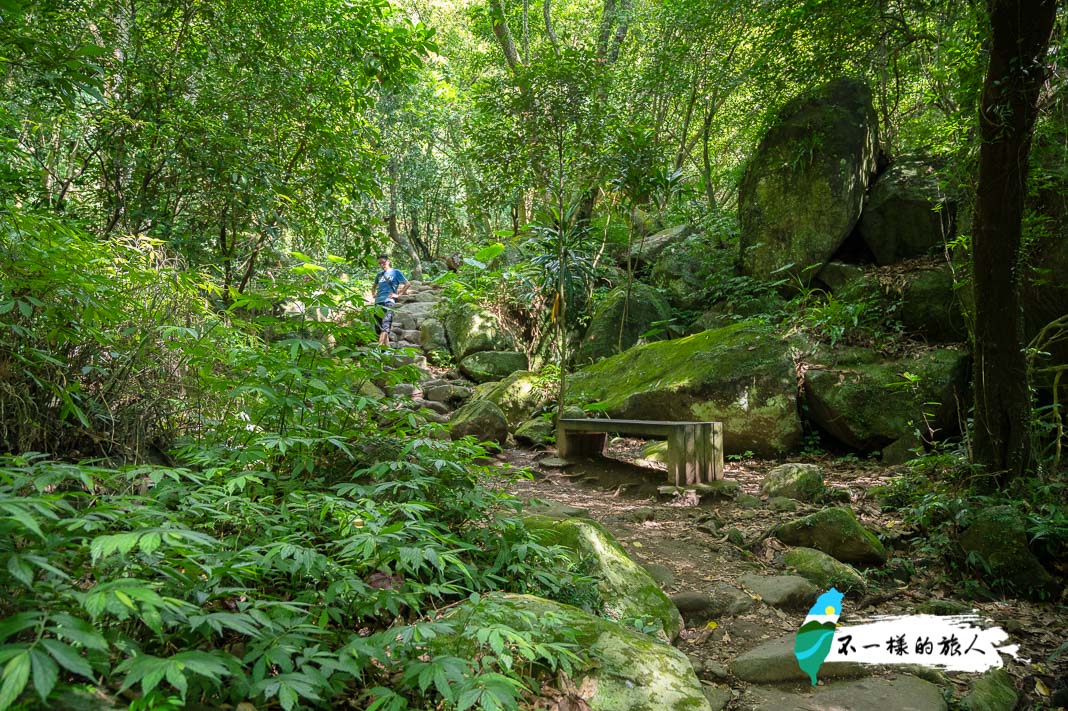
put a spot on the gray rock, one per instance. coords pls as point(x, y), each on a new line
point(405, 390)
point(839, 276)
point(432, 336)
point(554, 463)
point(519, 395)
point(906, 214)
point(728, 601)
point(802, 192)
point(640, 515)
point(482, 419)
point(646, 250)
point(748, 501)
point(774, 662)
point(993, 691)
point(681, 270)
point(437, 407)
point(556, 509)
point(902, 449)
point(735, 537)
point(663, 575)
point(803, 482)
point(489, 366)
point(782, 504)
point(930, 306)
point(901, 693)
point(787, 592)
point(715, 670)
point(837, 533)
point(452, 395)
point(718, 697)
point(996, 542)
point(943, 607)
point(471, 330)
point(538, 432)
point(692, 603)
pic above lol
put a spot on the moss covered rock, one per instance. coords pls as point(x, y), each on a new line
point(803, 482)
point(993, 691)
point(471, 329)
point(519, 396)
point(930, 306)
point(802, 192)
point(628, 591)
point(866, 402)
point(823, 570)
point(482, 419)
point(836, 532)
point(629, 671)
point(996, 543)
point(487, 366)
point(646, 250)
point(741, 375)
point(679, 272)
point(636, 315)
point(536, 432)
point(906, 214)
point(432, 336)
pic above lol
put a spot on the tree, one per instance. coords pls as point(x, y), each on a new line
point(1021, 31)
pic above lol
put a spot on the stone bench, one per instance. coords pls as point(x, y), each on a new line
point(695, 449)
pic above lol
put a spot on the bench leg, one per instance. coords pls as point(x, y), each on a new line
point(715, 442)
point(579, 444)
point(676, 456)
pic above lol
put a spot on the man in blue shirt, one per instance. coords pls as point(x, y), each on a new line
point(389, 284)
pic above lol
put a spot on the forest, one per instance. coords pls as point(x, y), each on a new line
point(837, 227)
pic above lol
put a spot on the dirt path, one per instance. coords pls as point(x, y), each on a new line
point(693, 548)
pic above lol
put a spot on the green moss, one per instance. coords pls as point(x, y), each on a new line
point(628, 590)
point(823, 570)
point(836, 532)
point(519, 396)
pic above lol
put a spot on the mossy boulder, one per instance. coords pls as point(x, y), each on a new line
point(837, 532)
point(802, 191)
point(536, 433)
point(480, 418)
point(487, 366)
point(996, 544)
point(803, 482)
point(866, 402)
point(645, 250)
point(471, 329)
point(679, 272)
point(823, 570)
point(628, 591)
point(993, 691)
point(741, 375)
point(432, 336)
point(636, 315)
point(628, 671)
point(929, 305)
point(519, 396)
point(906, 213)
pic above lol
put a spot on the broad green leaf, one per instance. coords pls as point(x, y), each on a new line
point(68, 658)
point(45, 673)
point(16, 674)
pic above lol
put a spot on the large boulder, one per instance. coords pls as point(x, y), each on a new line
point(480, 418)
point(837, 533)
point(645, 250)
point(636, 315)
point(906, 213)
point(866, 402)
point(432, 336)
point(627, 589)
point(802, 192)
point(519, 396)
point(629, 671)
point(898, 693)
point(740, 375)
point(471, 329)
point(490, 366)
point(803, 482)
point(996, 544)
point(680, 270)
point(930, 305)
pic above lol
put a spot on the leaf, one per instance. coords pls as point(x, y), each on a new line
point(16, 674)
point(68, 658)
point(45, 673)
point(17, 623)
point(80, 631)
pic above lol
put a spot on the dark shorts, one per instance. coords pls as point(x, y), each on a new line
point(384, 316)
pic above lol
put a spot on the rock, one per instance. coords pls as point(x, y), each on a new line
point(519, 395)
point(715, 670)
point(837, 533)
point(718, 697)
point(720, 490)
point(681, 270)
point(482, 419)
point(943, 607)
point(735, 537)
point(648, 249)
point(908, 446)
point(633, 672)
point(803, 482)
point(748, 501)
point(439, 408)
point(774, 662)
point(839, 277)
point(823, 570)
point(906, 213)
point(691, 603)
point(865, 403)
point(992, 691)
point(996, 544)
point(640, 515)
point(487, 366)
point(929, 305)
point(369, 389)
point(741, 375)
point(728, 601)
point(452, 395)
point(556, 509)
point(538, 432)
point(627, 590)
point(432, 336)
point(787, 592)
point(802, 192)
point(645, 306)
point(471, 330)
point(900, 693)
point(404, 390)
point(782, 504)
point(663, 575)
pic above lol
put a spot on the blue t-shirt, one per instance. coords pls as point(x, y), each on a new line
point(387, 282)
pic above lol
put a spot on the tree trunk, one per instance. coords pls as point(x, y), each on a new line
point(1021, 32)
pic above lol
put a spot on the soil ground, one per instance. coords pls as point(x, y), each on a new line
point(691, 541)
